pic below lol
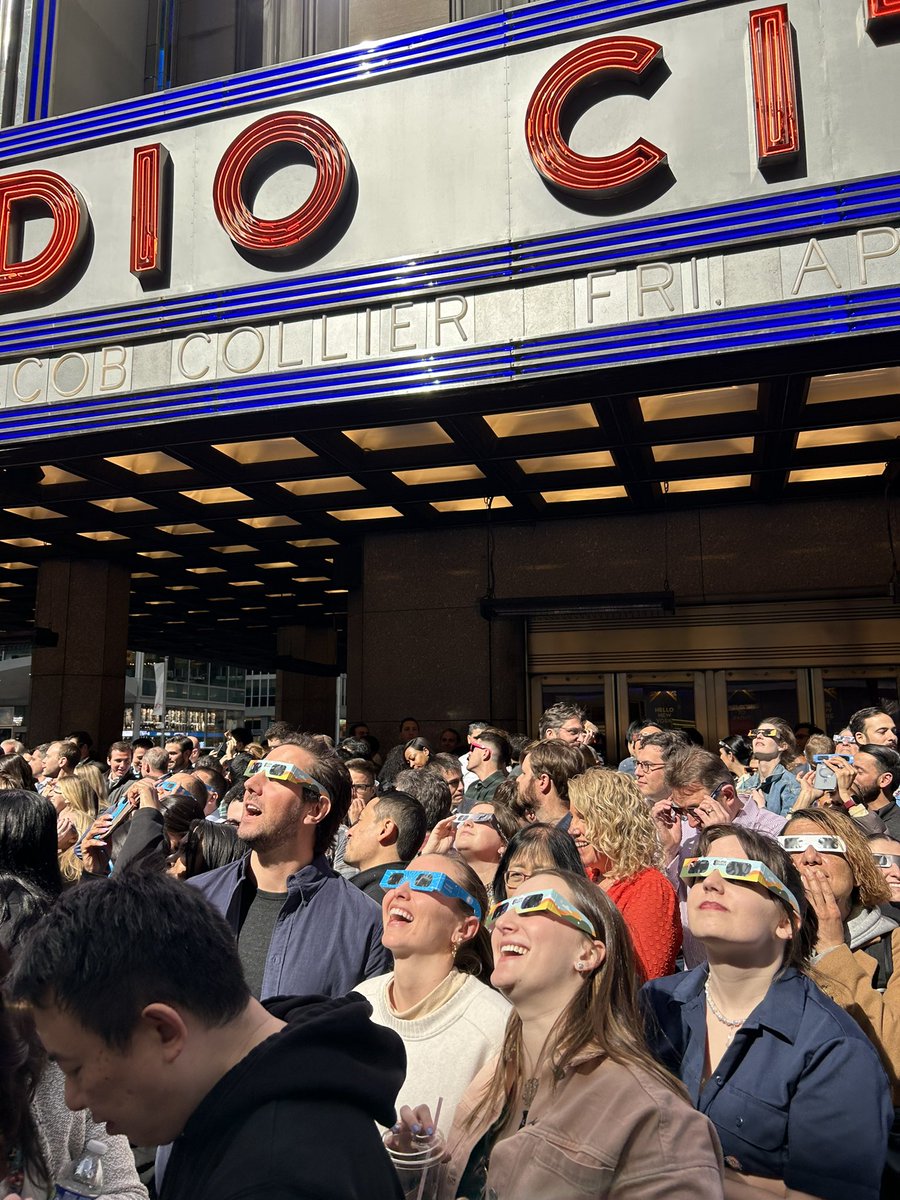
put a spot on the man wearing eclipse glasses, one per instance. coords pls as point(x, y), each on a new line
point(301, 927)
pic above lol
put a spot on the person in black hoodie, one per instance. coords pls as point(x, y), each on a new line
point(137, 993)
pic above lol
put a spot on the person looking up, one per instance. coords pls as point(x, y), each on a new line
point(573, 1105)
point(216, 787)
point(759, 1047)
point(482, 835)
point(489, 762)
point(437, 998)
point(886, 852)
point(301, 927)
point(702, 793)
point(774, 750)
point(617, 839)
point(858, 935)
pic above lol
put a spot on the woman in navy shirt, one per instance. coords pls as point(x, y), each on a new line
point(796, 1092)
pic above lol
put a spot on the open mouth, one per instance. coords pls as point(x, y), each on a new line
point(251, 810)
point(513, 950)
point(396, 913)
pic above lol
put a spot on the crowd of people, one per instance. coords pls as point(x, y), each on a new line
point(293, 967)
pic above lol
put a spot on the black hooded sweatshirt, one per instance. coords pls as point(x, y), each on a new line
point(295, 1119)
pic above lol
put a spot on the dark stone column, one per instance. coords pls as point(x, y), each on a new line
point(80, 682)
point(304, 698)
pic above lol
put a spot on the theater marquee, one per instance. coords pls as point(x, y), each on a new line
point(452, 207)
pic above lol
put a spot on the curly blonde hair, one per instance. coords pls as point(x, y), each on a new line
point(617, 820)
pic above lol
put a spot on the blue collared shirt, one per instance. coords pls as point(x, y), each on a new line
point(799, 1095)
point(326, 939)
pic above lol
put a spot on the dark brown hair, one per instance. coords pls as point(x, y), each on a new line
point(805, 932)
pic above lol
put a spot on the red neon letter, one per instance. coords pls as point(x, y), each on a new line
point(774, 86)
point(149, 203)
point(881, 12)
point(554, 158)
point(70, 220)
point(282, 236)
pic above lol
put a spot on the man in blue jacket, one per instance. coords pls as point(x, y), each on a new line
point(301, 927)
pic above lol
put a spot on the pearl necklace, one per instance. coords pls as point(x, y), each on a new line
point(733, 1026)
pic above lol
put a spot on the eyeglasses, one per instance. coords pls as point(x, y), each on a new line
point(648, 766)
point(739, 870)
point(825, 843)
point(517, 877)
point(286, 772)
point(430, 881)
point(846, 739)
point(477, 819)
point(362, 787)
point(691, 812)
point(169, 787)
point(547, 901)
point(768, 731)
point(477, 746)
point(886, 860)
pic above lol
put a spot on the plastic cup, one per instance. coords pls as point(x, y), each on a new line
point(417, 1168)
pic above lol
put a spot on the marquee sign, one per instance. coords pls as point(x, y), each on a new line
point(572, 157)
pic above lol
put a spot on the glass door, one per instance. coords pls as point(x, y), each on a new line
point(744, 698)
point(841, 691)
point(676, 698)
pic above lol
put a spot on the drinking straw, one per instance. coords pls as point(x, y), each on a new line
point(437, 1117)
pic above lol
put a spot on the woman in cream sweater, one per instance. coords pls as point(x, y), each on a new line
point(437, 997)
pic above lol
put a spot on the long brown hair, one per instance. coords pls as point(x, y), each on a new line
point(474, 956)
point(602, 1017)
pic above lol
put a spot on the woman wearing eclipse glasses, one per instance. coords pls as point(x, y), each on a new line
point(574, 1105)
point(793, 1087)
point(858, 946)
point(450, 1021)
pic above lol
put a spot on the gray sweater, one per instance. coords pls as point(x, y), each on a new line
point(63, 1137)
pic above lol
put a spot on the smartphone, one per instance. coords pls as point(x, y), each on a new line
point(825, 779)
point(117, 813)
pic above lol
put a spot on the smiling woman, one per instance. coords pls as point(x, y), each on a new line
point(762, 1051)
point(451, 1023)
point(574, 1105)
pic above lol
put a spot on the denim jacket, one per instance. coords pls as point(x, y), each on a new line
point(781, 789)
point(326, 939)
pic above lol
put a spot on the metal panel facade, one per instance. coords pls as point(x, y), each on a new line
point(453, 262)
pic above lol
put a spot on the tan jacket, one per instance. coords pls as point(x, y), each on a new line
point(847, 975)
point(606, 1130)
